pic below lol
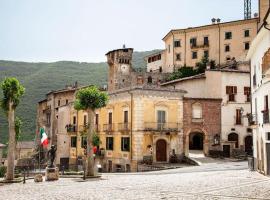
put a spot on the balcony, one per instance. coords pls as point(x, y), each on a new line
point(108, 127)
point(161, 127)
point(197, 46)
point(84, 128)
point(71, 128)
point(265, 116)
point(252, 120)
point(124, 127)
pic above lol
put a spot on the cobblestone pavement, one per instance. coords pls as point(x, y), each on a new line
point(221, 180)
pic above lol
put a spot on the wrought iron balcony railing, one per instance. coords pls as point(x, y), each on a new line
point(124, 126)
point(160, 127)
point(252, 119)
point(84, 128)
point(108, 127)
point(71, 128)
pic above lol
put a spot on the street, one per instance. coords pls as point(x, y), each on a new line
point(214, 180)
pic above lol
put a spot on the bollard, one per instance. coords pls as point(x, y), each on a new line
point(24, 176)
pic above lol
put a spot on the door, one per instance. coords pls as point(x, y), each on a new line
point(268, 157)
point(110, 166)
point(249, 145)
point(161, 151)
point(64, 163)
point(226, 151)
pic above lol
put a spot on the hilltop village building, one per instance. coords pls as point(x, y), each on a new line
point(259, 55)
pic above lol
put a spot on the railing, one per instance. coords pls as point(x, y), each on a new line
point(203, 45)
point(108, 127)
point(71, 128)
point(124, 126)
point(84, 128)
point(252, 119)
point(160, 127)
point(265, 116)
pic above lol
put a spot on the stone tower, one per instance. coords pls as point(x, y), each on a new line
point(119, 61)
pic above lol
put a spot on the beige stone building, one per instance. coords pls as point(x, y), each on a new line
point(24, 149)
point(220, 42)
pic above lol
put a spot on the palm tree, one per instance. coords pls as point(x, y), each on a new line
point(90, 99)
point(12, 92)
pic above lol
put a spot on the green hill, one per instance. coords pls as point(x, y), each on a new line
point(40, 78)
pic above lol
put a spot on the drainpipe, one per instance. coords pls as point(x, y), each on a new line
point(131, 123)
point(219, 43)
point(173, 51)
point(185, 61)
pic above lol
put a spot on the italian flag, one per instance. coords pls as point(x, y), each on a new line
point(43, 137)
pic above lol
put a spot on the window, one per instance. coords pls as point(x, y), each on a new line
point(228, 58)
point(74, 120)
point(97, 119)
point(125, 116)
point(246, 33)
point(228, 35)
point(161, 116)
point(177, 43)
point(160, 69)
point(206, 41)
point(59, 102)
point(206, 53)
point(85, 120)
point(238, 119)
point(194, 55)
point(193, 42)
point(73, 142)
point(178, 56)
point(247, 46)
point(84, 142)
point(247, 93)
point(125, 144)
point(110, 118)
point(227, 48)
point(196, 111)
point(48, 118)
point(266, 110)
point(66, 101)
point(109, 143)
point(268, 135)
point(149, 79)
point(231, 91)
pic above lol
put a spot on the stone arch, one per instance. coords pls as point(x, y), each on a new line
point(201, 131)
point(234, 137)
point(266, 61)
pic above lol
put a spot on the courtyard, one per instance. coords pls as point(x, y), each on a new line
point(215, 179)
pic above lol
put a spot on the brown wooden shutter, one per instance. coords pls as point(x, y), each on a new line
point(234, 90)
point(227, 89)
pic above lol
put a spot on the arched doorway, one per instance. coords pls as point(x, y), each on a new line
point(233, 137)
point(161, 151)
point(196, 141)
point(249, 145)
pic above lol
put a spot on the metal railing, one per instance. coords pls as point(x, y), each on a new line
point(252, 119)
point(84, 128)
point(108, 127)
point(160, 127)
point(71, 128)
point(124, 126)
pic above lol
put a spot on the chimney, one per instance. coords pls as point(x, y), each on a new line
point(213, 20)
point(218, 20)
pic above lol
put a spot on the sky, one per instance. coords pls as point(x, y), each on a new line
point(84, 30)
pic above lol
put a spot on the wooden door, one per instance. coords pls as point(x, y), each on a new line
point(226, 151)
point(249, 145)
point(110, 166)
point(161, 151)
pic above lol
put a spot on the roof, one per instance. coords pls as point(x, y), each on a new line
point(229, 70)
point(153, 54)
point(2, 145)
point(147, 88)
point(118, 50)
point(211, 26)
point(25, 145)
point(198, 76)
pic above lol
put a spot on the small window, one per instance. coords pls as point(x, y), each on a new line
point(246, 33)
point(125, 116)
point(84, 120)
point(177, 43)
point(247, 46)
point(109, 143)
point(66, 101)
point(206, 53)
point(149, 79)
point(84, 142)
point(193, 42)
point(178, 56)
point(97, 119)
point(160, 69)
point(125, 144)
point(194, 55)
point(228, 35)
point(206, 41)
point(59, 102)
point(73, 142)
point(238, 117)
point(227, 48)
point(268, 135)
point(247, 93)
point(231, 91)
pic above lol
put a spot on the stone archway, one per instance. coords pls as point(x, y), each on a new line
point(161, 150)
point(196, 141)
point(249, 145)
point(233, 137)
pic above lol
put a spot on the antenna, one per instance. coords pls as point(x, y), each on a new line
point(247, 9)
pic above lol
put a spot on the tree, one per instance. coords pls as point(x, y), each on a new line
point(90, 99)
point(18, 128)
point(12, 93)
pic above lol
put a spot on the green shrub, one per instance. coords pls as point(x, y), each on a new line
point(3, 171)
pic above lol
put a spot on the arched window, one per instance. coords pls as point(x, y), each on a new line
point(196, 111)
point(149, 79)
point(233, 137)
